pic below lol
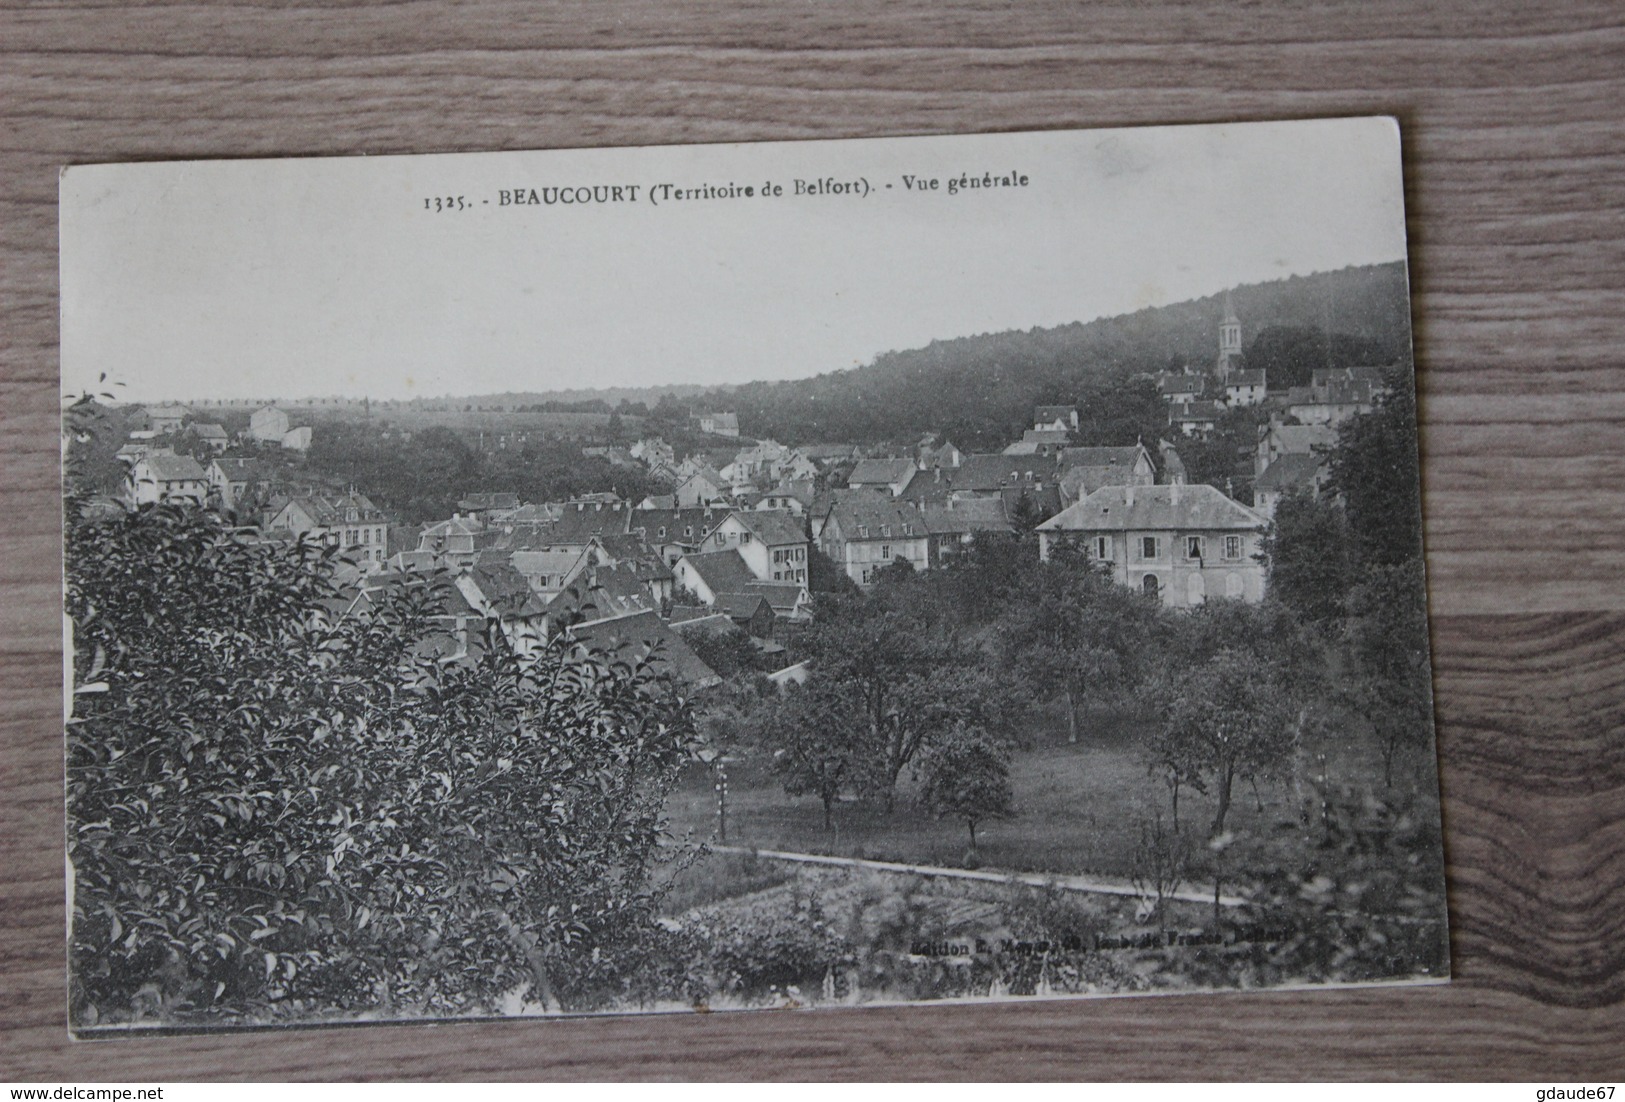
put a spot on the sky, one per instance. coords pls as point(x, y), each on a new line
point(294, 278)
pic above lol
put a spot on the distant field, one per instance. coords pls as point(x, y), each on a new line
point(1078, 808)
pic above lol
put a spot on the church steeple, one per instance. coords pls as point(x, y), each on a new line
point(1229, 338)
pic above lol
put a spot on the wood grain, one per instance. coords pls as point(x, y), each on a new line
point(1516, 192)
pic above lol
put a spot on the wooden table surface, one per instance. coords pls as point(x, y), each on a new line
point(1512, 118)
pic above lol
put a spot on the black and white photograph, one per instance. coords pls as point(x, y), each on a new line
point(783, 576)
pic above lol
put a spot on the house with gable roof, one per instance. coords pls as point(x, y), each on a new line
point(1055, 418)
point(1082, 471)
point(643, 636)
point(863, 533)
point(349, 521)
point(1181, 544)
point(890, 475)
point(1292, 472)
point(773, 544)
point(709, 574)
point(173, 478)
point(1276, 440)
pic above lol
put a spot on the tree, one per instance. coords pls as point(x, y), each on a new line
point(1389, 639)
point(1229, 718)
point(270, 812)
point(967, 777)
point(1306, 551)
point(816, 735)
point(1078, 634)
point(1374, 469)
point(898, 657)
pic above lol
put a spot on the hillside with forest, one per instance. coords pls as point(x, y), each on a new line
point(983, 388)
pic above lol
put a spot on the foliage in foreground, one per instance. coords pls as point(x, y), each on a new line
point(273, 814)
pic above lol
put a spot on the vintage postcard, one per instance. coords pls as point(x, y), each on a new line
point(790, 575)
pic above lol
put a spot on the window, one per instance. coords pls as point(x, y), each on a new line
point(1193, 547)
point(1103, 548)
point(688, 532)
point(885, 531)
point(885, 551)
point(660, 533)
point(744, 537)
point(863, 531)
point(1232, 548)
point(1148, 547)
point(908, 529)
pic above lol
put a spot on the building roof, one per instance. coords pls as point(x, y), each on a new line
point(721, 571)
point(1245, 378)
point(504, 588)
point(706, 623)
point(1100, 457)
point(783, 596)
point(688, 525)
point(534, 564)
point(1303, 438)
point(579, 522)
point(208, 430)
point(742, 606)
point(637, 634)
point(880, 472)
point(175, 468)
point(602, 591)
point(991, 473)
point(967, 514)
point(1290, 471)
point(482, 502)
point(855, 513)
point(773, 527)
point(1138, 508)
point(1171, 383)
point(1195, 411)
point(1046, 414)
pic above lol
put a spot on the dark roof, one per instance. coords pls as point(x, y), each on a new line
point(1195, 411)
point(854, 513)
point(707, 623)
point(1290, 471)
point(603, 591)
point(208, 430)
point(577, 524)
point(1174, 383)
point(1303, 438)
point(967, 514)
point(642, 633)
point(475, 503)
point(632, 551)
point(675, 522)
point(722, 571)
point(1245, 378)
point(1134, 508)
point(742, 606)
point(781, 595)
point(773, 527)
point(1100, 457)
point(880, 472)
point(175, 468)
point(990, 473)
point(505, 589)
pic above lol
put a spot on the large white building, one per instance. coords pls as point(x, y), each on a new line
point(1182, 544)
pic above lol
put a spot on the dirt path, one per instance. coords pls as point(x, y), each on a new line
point(1036, 879)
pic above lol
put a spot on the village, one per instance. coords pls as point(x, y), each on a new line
point(734, 545)
point(1007, 689)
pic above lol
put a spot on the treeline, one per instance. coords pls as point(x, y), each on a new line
point(423, 478)
point(982, 389)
